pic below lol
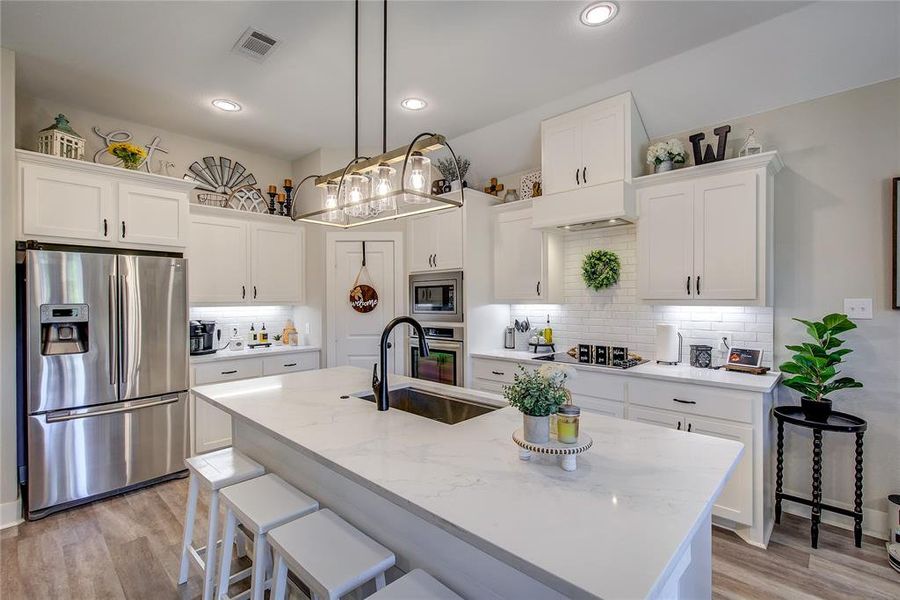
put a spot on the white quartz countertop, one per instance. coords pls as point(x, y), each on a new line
point(611, 529)
point(248, 353)
point(681, 372)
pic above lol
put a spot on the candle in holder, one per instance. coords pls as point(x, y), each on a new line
point(279, 198)
point(288, 183)
point(567, 423)
point(272, 189)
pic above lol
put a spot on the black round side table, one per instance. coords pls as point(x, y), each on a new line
point(838, 422)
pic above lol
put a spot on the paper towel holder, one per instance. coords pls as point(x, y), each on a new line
point(680, 348)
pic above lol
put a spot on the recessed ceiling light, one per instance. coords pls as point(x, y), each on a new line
point(226, 105)
point(413, 104)
point(599, 13)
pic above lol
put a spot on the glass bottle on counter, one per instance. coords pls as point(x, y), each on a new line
point(263, 335)
point(254, 337)
point(548, 332)
point(567, 418)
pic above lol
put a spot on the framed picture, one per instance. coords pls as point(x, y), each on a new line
point(895, 278)
point(745, 357)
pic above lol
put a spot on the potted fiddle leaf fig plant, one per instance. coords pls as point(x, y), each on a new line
point(538, 394)
point(813, 368)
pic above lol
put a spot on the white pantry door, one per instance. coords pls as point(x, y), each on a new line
point(356, 336)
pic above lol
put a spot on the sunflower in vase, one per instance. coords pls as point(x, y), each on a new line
point(132, 156)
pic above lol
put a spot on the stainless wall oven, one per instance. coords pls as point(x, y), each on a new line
point(436, 297)
point(446, 356)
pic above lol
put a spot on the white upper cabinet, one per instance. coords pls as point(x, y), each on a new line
point(277, 263)
point(561, 154)
point(704, 234)
point(527, 261)
point(588, 158)
point(665, 241)
point(66, 204)
point(218, 265)
point(233, 261)
point(152, 216)
point(76, 202)
point(726, 231)
point(436, 241)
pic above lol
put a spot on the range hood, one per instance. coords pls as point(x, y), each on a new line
point(608, 205)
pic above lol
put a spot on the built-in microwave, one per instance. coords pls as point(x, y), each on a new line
point(436, 296)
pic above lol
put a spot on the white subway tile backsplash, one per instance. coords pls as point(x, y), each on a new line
point(617, 316)
point(228, 318)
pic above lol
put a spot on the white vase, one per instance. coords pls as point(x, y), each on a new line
point(666, 165)
point(455, 185)
point(536, 429)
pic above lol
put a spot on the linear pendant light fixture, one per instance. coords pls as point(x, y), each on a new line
point(369, 189)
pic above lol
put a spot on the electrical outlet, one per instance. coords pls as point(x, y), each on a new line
point(724, 342)
point(858, 308)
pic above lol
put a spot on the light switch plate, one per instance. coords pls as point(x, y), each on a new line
point(858, 308)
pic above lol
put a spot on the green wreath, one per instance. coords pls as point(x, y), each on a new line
point(600, 269)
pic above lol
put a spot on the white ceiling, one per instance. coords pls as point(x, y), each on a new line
point(161, 63)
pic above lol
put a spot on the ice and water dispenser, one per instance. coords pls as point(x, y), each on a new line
point(64, 329)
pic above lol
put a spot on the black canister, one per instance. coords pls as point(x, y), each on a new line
point(701, 356)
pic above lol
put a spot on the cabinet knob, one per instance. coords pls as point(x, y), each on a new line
point(584, 175)
point(577, 173)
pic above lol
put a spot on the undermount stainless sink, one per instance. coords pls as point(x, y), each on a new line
point(430, 405)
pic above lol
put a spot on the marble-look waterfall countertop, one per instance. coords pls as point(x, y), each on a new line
point(681, 372)
point(611, 529)
point(227, 354)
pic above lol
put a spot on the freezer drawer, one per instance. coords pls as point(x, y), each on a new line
point(76, 455)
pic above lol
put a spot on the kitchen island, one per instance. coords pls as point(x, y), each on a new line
point(632, 522)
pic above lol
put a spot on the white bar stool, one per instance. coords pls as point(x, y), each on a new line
point(416, 585)
point(259, 505)
point(214, 470)
point(327, 554)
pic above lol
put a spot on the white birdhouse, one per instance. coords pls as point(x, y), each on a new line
point(61, 140)
point(751, 145)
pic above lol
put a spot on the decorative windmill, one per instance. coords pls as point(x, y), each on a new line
point(229, 180)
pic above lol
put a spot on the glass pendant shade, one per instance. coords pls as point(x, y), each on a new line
point(384, 179)
point(355, 193)
point(330, 202)
point(418, 176)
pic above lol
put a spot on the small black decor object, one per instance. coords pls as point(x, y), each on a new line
point(707, 156)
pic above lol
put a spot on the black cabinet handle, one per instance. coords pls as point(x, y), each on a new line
point(435, 260)
point(698, 285)
point(538, 288)
point(689, 427)
point(254, 292)
point(584, 175)
point(123, 230)
point(576, 177)
point(679, 426)
point(687, 285)
point(243, 292)
point(229, 372)
point(498, 372)
point(684, 401)
point(105, 228)
point(291, 365)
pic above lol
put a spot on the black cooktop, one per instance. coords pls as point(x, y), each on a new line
point(564, 357)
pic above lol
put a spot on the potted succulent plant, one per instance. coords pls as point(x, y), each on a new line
point(814, 366)
point(538, 394)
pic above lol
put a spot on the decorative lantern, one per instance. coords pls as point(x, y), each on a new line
point(751, 145)
point(61, 140)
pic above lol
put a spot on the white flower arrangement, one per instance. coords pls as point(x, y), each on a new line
point(662, 151)
point(557, 374)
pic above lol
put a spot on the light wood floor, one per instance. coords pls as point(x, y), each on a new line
point(128, 547)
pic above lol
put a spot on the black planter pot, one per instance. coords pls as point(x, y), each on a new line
point(816, 410)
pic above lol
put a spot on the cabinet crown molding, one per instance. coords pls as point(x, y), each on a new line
point(158, 181)
point(771, 161)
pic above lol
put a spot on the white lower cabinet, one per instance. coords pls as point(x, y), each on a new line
point(724, 413)
point(211, 426)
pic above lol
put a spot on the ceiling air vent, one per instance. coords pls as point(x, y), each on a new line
point(255, 44)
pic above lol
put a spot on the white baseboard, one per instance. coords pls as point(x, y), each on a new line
point(10, 513)
point(874, 521)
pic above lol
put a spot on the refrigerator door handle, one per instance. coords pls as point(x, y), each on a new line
point(69, 415)
point(113, 328)
point(123, 327)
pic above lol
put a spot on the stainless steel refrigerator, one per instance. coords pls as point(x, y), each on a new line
point(103, 373)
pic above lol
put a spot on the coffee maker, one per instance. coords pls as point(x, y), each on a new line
point(201, 333)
